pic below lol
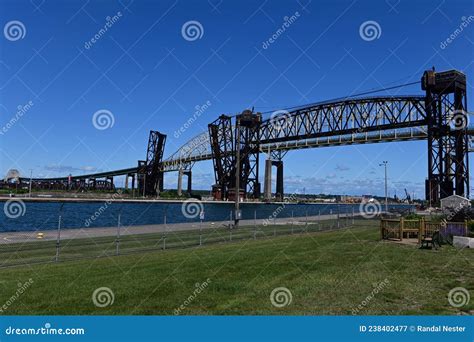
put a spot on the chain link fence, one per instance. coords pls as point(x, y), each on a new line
point(63, 244)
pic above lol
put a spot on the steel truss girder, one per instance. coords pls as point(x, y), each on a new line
point(345, 117)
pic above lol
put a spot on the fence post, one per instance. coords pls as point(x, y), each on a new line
point(402, 223)
point(352, 215)
point(200, 232)
point(306, 221)
point(338, 216)
point(254, 224)
point(292, 222)
point(117, 239)
point(58, 240)
point(381, 228)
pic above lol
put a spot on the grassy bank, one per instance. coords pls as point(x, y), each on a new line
point(326, 272)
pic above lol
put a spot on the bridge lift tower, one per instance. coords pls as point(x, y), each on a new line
point(150, 171)
point(448, 141)
point(226, 138)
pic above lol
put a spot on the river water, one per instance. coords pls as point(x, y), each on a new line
point(44, 215)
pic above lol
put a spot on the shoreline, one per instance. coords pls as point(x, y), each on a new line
point(159, 200)
point(78, 233)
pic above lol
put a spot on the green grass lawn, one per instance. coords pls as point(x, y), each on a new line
point(326, 273)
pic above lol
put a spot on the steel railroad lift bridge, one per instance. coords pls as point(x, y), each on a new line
point(441, 114)
point(234, 142)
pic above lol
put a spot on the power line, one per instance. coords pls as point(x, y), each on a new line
point(347, 97)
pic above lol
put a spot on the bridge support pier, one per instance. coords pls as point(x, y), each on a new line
point(267, 183)
point(110, 181)
point(161, 182)
point(182, 173)
point(189, 187)
point(279, 193)
point(180, 182)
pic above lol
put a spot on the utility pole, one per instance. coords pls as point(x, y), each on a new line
point(31, 179)
point(237, 174)
point(384, 164)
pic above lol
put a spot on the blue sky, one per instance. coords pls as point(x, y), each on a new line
point(149, 76)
